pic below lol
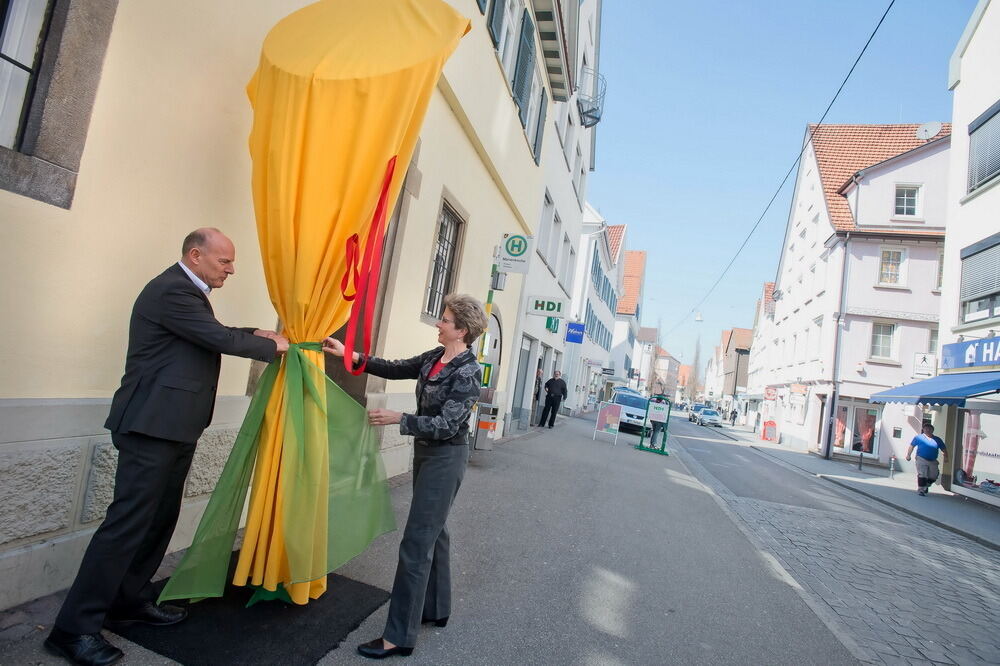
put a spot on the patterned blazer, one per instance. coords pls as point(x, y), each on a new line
point(444, 402)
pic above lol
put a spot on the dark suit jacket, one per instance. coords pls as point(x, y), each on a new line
point(555, 390)
point(174, 354)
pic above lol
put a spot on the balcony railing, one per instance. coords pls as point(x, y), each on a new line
point(590, 96)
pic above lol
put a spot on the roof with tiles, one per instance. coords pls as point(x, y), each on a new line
point(635, 270)
point(683, 375)
point(741, 338)
point(616, 233)
point(647, 334)
point(843, 150)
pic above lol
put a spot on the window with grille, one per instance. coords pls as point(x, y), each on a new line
point(984, 147)
point(445, 256)
point(882, 340)
point(890, 269)
point(907, 199)
point(980, 290)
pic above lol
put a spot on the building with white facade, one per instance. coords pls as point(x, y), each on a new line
point(644, 358)
point(565, 156)
point(666, 369)
point(856, 296)
point(596, 290)
point(963, 399)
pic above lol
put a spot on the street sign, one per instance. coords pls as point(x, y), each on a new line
point(546, 307)
point(971, 354)
point(574, 331)
point(515, 252)
point(607, 371)
point(924, 366)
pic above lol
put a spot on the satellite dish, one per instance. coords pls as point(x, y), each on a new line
point(928, 130)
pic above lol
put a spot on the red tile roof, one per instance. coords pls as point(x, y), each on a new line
point(635, 271)
point(683, 375)
point(741, 338)
point(616, 232)
point(843, 150)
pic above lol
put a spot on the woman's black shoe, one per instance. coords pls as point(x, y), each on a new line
point(374, 650)
point(440, 622)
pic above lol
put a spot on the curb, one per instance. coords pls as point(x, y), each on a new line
point(843, 484)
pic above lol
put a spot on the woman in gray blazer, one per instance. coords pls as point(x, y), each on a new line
point(448, 381)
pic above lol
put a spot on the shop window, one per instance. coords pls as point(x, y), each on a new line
point(856, 429)
point(978, 467)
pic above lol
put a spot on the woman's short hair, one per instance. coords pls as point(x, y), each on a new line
point(469, 314)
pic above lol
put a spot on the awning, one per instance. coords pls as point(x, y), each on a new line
point(943, 389)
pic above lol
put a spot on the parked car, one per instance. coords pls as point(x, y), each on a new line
point(707, 417)
point(633, 409)
point(693, 413)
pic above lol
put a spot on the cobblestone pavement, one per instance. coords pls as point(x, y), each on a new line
point(896, 591)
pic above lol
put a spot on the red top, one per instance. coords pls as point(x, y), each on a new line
point(436, 368)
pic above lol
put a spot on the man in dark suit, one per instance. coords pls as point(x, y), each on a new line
point(555, 392)
point(165, 401)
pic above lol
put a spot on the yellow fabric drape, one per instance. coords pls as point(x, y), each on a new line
point(342, 87)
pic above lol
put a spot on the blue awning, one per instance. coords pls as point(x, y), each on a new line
point(942, 390)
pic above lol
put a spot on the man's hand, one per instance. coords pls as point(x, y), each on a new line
point(333, 346)
point(380, 417)
point(261, 333)
point(281, 342)
point(907, 456)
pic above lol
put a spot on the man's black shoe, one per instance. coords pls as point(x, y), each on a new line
point(147, 613)
point(83, 649)
point(375, 650)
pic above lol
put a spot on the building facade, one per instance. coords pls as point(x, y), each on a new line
point(628, 314)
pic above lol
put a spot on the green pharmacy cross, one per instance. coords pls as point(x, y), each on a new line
point(657, 420)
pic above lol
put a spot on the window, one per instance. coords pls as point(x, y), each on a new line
point(890, 269)
point(445, 254)
point(980, 291)
point(545, 225)
point(51, 55)
point(882, 337)
point(24, 26)
point(555, 241)
point(940, 271)
point(932, 341)
point(504, 25)
point(984, 147)
point(907, 200)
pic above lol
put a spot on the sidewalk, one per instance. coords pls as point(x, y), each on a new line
point(977, 521)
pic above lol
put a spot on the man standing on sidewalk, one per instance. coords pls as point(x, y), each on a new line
point(927, 446)
point(555, 392)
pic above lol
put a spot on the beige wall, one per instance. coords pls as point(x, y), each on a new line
point(166, 152)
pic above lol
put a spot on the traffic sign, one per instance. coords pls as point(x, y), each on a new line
point(515, 252)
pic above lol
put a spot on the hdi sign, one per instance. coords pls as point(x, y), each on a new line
point(548, 307)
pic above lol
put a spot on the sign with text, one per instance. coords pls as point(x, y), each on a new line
point(971, 354)
point(547, 307)
point(574, 332)
point(924, 366)
point(609, 416)
point(658, 411)
point(515, 251)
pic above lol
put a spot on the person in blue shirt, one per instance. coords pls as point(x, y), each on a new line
point(928, 446)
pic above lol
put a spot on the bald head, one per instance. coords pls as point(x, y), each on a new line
point(210, 255)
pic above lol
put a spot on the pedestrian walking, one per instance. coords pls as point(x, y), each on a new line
point(448, 380)
point(657, 425)
point(928, 445)
point(165, 402)
point(555, 392)
point(732, 416)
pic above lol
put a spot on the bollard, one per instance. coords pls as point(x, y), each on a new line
point(892, 466)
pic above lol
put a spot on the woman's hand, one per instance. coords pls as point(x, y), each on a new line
point(381, 417)
point(333, 346)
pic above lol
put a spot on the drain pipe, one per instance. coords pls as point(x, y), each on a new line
point(828, 446)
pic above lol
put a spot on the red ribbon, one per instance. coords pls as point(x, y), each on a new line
point(366, 285)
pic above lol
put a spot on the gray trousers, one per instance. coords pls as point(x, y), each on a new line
point(422, 587)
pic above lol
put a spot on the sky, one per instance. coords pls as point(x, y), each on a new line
point(706, 109)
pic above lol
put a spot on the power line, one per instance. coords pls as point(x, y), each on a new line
point(787, 173)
